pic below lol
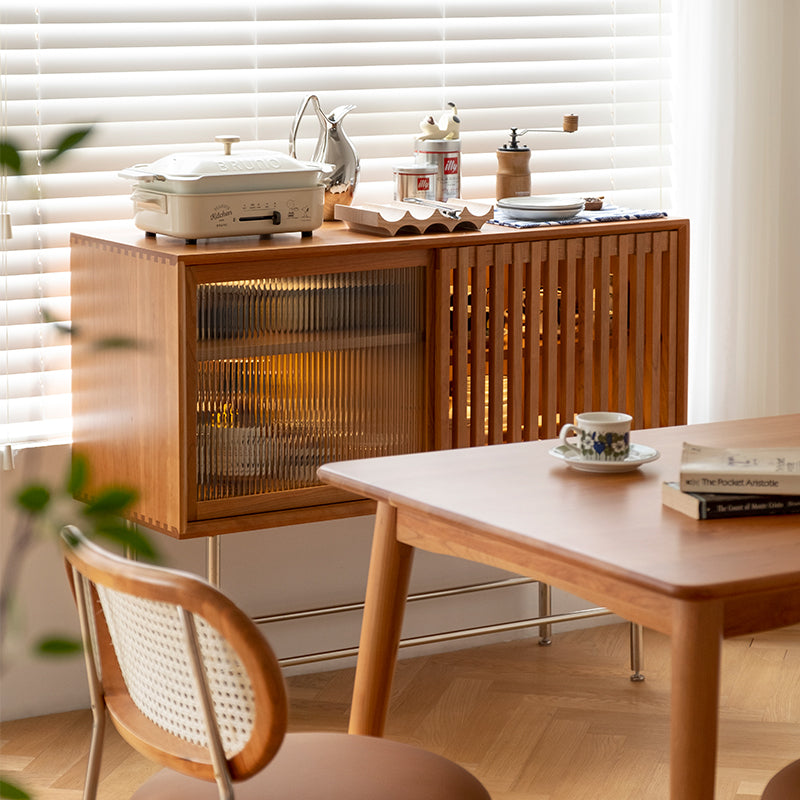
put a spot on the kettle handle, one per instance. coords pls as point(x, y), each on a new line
point(320, 148)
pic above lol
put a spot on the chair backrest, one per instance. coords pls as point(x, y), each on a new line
point(186, 676)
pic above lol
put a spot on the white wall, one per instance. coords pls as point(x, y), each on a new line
point(283, 569)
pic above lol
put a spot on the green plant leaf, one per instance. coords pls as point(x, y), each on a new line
point(10, 157)
point(34, 498)
point(62, 327)
point(71, 140)
point(116, 343)
point(57, 646)
point(130, 537)
point(113, 500)
point(78, 474)
point(12, 791)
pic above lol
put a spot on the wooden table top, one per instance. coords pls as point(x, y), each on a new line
point(614, 524)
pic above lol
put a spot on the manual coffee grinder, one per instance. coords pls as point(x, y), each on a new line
point(513, 160)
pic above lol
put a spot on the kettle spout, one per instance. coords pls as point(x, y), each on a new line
point(339, 113)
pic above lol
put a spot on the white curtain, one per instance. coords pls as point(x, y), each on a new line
point(737, 124)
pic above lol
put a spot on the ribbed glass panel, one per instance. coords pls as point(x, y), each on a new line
point(297, 371)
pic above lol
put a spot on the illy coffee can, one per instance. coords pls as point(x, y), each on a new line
point(445, 154)
point(415, 180)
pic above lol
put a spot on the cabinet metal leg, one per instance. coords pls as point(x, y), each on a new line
point(213, 556)
point(545, 610)
point(637, 651)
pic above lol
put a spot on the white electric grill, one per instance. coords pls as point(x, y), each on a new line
point(204, 195)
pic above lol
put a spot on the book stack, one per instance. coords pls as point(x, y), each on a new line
point(737, 482)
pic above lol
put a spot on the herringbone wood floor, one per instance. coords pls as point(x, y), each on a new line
point(539, 723)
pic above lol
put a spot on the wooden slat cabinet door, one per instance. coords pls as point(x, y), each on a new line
point(544, 329)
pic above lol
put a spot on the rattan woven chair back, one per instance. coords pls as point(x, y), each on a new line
point(185, 675)
point(189, 681)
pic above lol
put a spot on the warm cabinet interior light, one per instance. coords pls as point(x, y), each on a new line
point(297, 371)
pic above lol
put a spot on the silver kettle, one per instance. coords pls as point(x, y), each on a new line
point(334, 148)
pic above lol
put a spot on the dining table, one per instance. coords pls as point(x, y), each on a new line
point(602, 534)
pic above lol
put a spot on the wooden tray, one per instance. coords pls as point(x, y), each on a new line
point(391, 219)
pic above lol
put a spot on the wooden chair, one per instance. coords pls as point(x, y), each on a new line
point(189, 681)
point(785, 785)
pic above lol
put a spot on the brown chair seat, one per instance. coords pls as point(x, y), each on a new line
point(329, 766)
point(785, 785)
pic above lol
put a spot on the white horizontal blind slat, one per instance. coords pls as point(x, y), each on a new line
point(154, 78)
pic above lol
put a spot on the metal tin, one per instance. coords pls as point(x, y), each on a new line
point(445, 154)
point(415, 180)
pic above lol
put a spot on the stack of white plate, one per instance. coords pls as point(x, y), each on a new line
point(540, 207)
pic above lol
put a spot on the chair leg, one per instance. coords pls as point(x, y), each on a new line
point(95, 752)
point(637, 651)
point(545, 610)
point(84, 604)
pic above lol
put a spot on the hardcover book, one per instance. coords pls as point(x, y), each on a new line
point(773, 470)
point(707, 505)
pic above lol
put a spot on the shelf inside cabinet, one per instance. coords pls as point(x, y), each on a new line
point(281, 344)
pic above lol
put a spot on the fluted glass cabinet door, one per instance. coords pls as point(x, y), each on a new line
point(296, 371)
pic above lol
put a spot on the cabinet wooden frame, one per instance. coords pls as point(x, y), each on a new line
point(135, 410)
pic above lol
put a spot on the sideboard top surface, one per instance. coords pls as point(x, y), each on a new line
point(335, 238)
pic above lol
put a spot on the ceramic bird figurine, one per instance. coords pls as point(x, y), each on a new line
point(446, 120)
point(448, 126)
point(429, 128)
point(451, 130)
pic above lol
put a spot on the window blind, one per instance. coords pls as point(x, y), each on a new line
point(154, 78)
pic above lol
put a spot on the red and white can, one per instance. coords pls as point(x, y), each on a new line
point(415, 180)
point(445, 154)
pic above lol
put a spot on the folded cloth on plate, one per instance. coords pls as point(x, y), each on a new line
point(608, 213)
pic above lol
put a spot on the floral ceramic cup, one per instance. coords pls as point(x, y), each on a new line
point(602, 436)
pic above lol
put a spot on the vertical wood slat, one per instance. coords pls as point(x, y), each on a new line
point(550, 341)
point(655, 323)
point(679, 266)
point(620, 324)
point(478, 353)
point(670, 344)
point(601, 389)
point(587, 320)
point(442, 346)
point(497, 294)
point(567, 387)
point(515, 400)
point(533, 349)
point(637, 328)
point(460, 345)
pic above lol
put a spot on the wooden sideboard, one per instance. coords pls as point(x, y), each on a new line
point(258, 359)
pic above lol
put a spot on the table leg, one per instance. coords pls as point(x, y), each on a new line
point(696, 654)
point(387, 589)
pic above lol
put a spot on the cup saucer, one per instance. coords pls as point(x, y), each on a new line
point(639, 454)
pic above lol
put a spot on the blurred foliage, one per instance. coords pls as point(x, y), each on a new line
point(12, 157)
point(44, 510)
